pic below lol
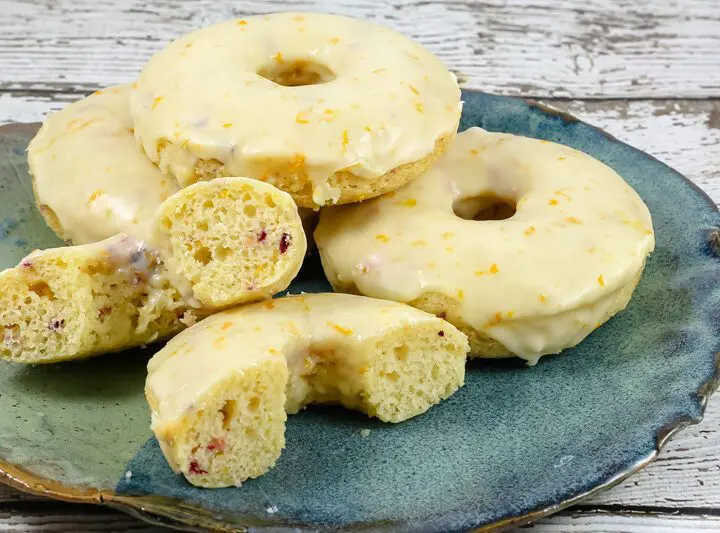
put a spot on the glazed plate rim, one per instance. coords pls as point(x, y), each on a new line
point(166, 511)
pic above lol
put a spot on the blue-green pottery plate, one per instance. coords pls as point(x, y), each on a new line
point(514, 444)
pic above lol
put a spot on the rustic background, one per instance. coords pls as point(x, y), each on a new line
point(646, 71)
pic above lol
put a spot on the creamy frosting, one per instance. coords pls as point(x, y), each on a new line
point(537, 282)
point(382, 100)
point(180, 375)
point(88, 169)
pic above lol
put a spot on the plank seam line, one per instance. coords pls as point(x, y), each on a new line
point(50, 92)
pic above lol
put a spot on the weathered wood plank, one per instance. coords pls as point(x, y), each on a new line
point(623, 523)
point(540, 48)
point(72, 519)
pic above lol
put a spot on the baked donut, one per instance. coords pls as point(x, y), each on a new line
point(218, 243)
point(220, 391)
point(327, 108)
point(90, 179)
point(525, 245)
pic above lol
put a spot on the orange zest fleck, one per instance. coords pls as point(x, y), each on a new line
point(298, 161)
point(474, 151)
point(448, 235)
point(494, 269)
point(382, 238)
point(242, 22)
point(460, 294)
point(601, 281)
point(410, 202)
point(368, 129)
point(227, 125)
point(334, 40)
point(413, 89)
point(573, 220)
point(542, 298)
point(94, 196)
point(479, 273)
point(131, 131)
point(510, 314)
point(553, 201)
point(561, 159)
point(278, 57)
point(561, 193)
point(156, 101)
point(419, 107)
point(530, 230)
point(219, 343)
point(338, 327)
point(269, 304)
point(300, 120)
point(345, 139)
point(226, 325)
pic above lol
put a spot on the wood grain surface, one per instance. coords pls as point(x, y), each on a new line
point(647, 71)
point(539, 48)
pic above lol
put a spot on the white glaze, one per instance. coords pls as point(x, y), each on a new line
point(191, 364)
point(89, 171)
point(390, 101)
point(538, 282)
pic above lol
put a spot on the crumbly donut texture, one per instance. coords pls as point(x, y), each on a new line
point(91, 180)
point(525, 245)
point(327, 108)
point(226, 257)
point(78, 301)
point(219, 392)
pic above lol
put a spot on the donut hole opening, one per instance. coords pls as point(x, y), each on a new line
point(297, 73)
point(484, 207)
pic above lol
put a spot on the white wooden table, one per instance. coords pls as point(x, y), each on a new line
point(648, 71)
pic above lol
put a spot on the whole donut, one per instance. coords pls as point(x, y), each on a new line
point(90, 180)
point(559, 246)
point(325, 107)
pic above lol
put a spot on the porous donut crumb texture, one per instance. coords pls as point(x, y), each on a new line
point(292, 177)
point(382, 358)
point(69, 303)
point(234, 240)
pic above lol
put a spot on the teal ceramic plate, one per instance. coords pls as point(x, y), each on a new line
point(514, 444)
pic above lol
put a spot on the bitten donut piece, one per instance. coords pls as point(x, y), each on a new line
point(220, 391)
point(226, 257)
point(78, 301)
point(525, 245)
point(91, 180)
point(327, 108)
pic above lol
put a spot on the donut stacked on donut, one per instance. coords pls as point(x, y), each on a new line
point(525, 245)
point(329, 109)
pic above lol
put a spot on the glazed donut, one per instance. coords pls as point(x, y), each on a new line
point(327, 108)
point(219, 243)
point(90, 179)
point(525, 245)
point(219, 392)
